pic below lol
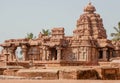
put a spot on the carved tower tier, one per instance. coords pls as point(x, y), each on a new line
point(90, 24)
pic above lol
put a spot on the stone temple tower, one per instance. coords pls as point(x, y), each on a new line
point(90, 36)
point(90, 24)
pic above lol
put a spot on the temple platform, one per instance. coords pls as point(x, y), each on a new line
point(49, 63)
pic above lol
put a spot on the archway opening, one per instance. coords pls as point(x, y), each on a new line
point(18, 53)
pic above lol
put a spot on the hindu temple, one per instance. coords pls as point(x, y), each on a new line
point(87, 46)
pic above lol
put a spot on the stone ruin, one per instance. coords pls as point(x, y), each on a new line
point(87, 46)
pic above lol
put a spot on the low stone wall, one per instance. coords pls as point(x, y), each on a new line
point(79, 74)
point(104, 63)
point(10, 72)
point(24, 64)
point(88, 74)
point(68, 74)
point(44, 74)
point(60, 74)
point(77, 63)
point(64, 73)
point(51, 63)
point(110, 73)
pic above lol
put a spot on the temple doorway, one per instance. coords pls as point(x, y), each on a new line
point(100, 54)
point(53, 54)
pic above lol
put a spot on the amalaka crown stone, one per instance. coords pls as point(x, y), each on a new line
point(89, 8)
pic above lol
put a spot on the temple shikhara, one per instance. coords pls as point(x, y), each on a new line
point(87, 46)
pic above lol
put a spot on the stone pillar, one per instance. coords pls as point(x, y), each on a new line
point(59, 53)
point(117, 53)
point(12, 55)
point(5, 53)
point(105, 54)
point(89, 54)
point(48, 54)
point(24, 52)
point(44, 53)
point(11, 58)
point(96, 54)
point(40, 53)
point(111, 54)
point(77, 53)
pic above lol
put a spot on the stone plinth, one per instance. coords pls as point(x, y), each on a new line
point(110, 73)
point(68, 74)
point(43, 73)
point(10, 72)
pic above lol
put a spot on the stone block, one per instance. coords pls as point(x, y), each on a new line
point(10, 72)
point(110, 73)
point(44, 74)
point(88, 74)
point(67, 74)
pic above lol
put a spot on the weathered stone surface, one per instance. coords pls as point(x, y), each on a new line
point(2, 70)
point(79, 74)
point(88, 74)
point(44, 74)
point(10, 72)
point(68, 74)
point(109, 73)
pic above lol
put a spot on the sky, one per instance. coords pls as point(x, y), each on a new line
point(19, 17)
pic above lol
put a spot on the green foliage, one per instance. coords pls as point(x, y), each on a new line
point(30, 36)
point(46, 32)
point(116, 36)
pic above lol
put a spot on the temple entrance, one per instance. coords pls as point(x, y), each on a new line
point(53, 55)
point(100, 54)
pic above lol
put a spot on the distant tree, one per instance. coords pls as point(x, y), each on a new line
point(116, 36)
point(46, 32)
point(30, 36)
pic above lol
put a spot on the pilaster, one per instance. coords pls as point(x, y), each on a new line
point(105, 54)
point(59, 53)
point(24, 52)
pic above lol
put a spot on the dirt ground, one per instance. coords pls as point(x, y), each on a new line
point(59, 81)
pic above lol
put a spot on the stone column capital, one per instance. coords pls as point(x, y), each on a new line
point(105, 49)
point(58, 48)
point(23, 46)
